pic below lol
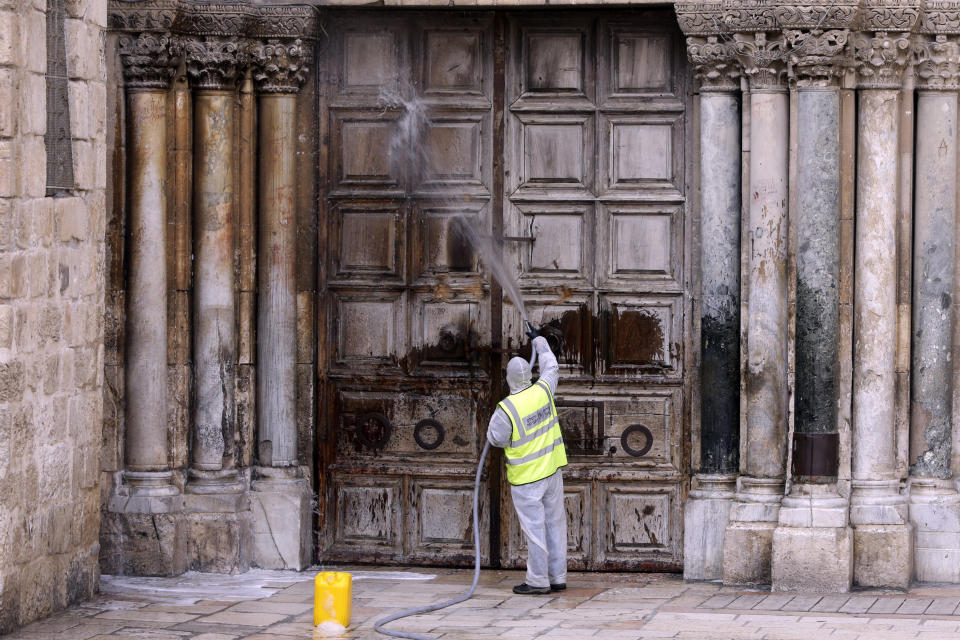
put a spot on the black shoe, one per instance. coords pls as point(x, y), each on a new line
point(526, 590)
point(558, 587)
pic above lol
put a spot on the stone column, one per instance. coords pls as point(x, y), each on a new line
point(147, 467)
point(883, 537)
point(144, 514)
point(706, 512)
point(749, 536)
point(934, 502)
point(217, 505)
point(212, 65)
point(813, 517)
point(281, 499)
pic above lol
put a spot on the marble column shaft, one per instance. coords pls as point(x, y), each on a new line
point(766, 375)
point(935, 207)
point(276, 329)
point(720, 166)
point(214, 304)
point(818, 258)
point(146, 447)
point(875, 296)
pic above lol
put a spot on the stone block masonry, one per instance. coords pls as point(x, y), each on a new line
point(51, 321)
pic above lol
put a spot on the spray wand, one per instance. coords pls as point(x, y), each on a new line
point(531, 333)
point(378, 625)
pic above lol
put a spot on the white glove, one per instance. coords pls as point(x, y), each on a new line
point(541, 345)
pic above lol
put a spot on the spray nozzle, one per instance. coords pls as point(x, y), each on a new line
point(531, 332)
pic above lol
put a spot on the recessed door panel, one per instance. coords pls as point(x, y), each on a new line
point(371, 60)
point(367, 514)
point(453, 62)
point(441, 519)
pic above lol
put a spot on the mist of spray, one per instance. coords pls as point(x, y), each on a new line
point(409, 147)
point(491, 254)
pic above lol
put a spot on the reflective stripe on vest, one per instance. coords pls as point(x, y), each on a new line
point(536, 448)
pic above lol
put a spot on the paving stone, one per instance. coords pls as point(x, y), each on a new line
point(886, 605)
point(914, 605)
point(830, 603)
point(802, 603)
point(747, 601)
point(773, 603)
point(719, 601)
point(141, 615)
point(271, 606)
point(943, 606)
point(858, 604)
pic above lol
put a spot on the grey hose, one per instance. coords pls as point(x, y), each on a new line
point(378, 625)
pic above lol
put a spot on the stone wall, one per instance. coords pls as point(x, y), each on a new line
point(51, 318)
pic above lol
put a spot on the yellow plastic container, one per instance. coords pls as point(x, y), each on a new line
point(332, 592)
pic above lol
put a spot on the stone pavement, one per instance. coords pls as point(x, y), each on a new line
point(275, 605)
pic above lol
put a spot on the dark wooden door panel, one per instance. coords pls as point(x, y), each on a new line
point(593, 168)
point(409, 110)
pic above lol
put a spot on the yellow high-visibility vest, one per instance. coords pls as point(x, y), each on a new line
point(536, 448)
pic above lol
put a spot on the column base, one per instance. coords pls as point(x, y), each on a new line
point(145, 492)
point(282, 519)
point(217, 511)
point(883, 555)
point(812, 559)
point(705, 518)
point(935, 516)
point(813, 543)
point(223, 481)
point(882, 535)
point(143, 530)
point(748, 539)
point(747, 552)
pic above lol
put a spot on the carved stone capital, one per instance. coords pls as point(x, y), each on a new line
point(819, 15)
point(937, 60)
point(816, 58)
point(148, 15)
point(700, 18)
point(149, 60)
point(880, 59)
point(715, 63)
point(286, 21)
point(211, 18)
point(215, 62)
point(889, 15)
point(940, 16)
point(750, 15)
point(763, 60)
point(279, 66)
point(225, 19)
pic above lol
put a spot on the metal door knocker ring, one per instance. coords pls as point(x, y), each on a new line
point(629, 431)
point(424, 426)
point(374, 430)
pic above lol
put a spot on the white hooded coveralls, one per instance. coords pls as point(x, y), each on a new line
point(539, 505)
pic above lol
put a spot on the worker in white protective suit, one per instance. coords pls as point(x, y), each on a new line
point(525, 425)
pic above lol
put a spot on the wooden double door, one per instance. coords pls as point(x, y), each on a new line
point(557, 139)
